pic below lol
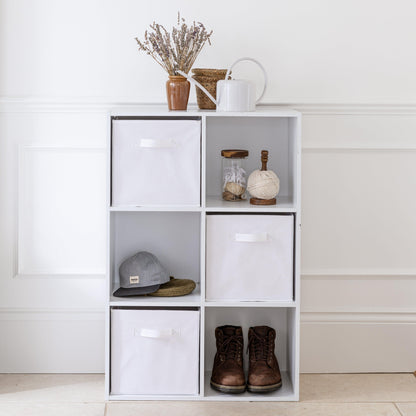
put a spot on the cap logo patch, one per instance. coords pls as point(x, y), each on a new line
point(134, 279)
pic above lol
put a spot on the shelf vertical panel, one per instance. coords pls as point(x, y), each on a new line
point(203, 160)
point(202, 310)
point(295, 126)
point(107, 382)
point(202, 255)
point(108, 261)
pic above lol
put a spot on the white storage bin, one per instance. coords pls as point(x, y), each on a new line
point(156, 162)
point(249, 257)
point(154, 352)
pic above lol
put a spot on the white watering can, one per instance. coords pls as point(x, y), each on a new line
point(234, 94)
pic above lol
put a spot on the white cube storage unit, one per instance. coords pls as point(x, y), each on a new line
point(164, 196)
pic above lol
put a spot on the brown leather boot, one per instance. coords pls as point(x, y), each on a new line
point(263, 373)
point(227, 372)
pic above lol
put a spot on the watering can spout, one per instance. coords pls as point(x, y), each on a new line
point(197, 84)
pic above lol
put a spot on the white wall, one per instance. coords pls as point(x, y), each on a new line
point(348, 65)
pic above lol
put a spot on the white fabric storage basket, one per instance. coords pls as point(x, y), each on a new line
point(249, 257)
point(156, 162)
point(154, 352)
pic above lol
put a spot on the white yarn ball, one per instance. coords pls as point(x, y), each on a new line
point(263, 184)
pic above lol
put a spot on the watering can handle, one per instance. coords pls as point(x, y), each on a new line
point(197, 84)
point(261, 67)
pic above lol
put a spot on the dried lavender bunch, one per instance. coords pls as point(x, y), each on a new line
point(177, 50)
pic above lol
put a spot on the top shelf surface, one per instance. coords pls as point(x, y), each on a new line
point(194, 111)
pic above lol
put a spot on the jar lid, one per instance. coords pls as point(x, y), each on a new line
point(234, 153)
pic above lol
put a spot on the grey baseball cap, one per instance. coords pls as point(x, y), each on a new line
point(141, 274)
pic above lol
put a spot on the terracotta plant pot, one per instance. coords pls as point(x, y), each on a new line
point(177, 90)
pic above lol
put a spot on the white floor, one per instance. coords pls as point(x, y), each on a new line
point(321, 395)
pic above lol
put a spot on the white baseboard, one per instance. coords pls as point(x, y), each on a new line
point(51, 341)
point(348, 342)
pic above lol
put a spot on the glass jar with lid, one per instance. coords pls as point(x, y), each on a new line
point(234, 176)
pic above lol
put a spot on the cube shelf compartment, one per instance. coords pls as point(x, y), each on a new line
point(253, 134)
point(283, 320)
point(177, 235)
point(173, 237)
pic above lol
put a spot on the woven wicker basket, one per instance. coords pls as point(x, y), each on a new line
point(208, 72)
point(207, 78)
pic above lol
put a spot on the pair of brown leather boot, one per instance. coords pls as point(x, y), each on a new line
point(228, 372)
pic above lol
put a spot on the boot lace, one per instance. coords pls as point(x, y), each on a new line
point(231, 347)
point(259, 347)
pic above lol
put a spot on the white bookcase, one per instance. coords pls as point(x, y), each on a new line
point(177, 235)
